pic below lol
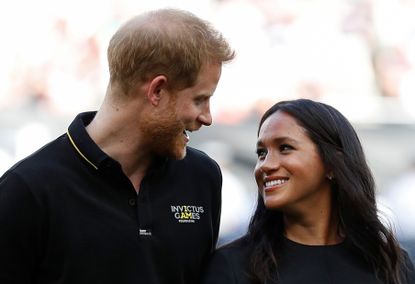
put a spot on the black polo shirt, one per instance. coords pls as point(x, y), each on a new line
point(68, 214)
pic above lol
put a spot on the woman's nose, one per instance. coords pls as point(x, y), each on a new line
point(270, 163)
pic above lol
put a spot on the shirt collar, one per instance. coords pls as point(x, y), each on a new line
point(83, 143)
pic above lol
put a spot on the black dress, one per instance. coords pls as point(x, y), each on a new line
point(298, 264)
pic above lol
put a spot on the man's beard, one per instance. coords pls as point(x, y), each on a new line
point(164, 133)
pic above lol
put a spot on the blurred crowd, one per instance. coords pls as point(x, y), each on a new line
point(352, 53)
point(358, 55)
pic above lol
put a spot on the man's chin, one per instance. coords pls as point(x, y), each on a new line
point(179, 154)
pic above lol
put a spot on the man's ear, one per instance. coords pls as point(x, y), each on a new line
point(155, 89)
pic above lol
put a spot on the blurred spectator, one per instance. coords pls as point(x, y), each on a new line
point(398, 204)
point(31, 137)
point(390, 65)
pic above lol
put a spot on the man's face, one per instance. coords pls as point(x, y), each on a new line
point(186, 110)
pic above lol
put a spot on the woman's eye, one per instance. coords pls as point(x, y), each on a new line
point(285, 147)
point(261, 153)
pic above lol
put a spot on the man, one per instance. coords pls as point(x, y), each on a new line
point(120, 198)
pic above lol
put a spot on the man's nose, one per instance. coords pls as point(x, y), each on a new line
point(205, 118)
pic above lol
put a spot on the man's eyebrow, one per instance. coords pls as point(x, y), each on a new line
point(204, 95)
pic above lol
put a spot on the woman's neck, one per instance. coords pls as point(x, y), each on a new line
point(318, 229)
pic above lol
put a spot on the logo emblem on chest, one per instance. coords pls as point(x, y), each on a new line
point(187, 213)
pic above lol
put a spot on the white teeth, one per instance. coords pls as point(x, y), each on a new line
point(185, 134)
point(275, 182)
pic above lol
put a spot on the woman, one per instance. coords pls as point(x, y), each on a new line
point(316, 219)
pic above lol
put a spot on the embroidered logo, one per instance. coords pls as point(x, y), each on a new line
point(187, 213)
point(144, 232)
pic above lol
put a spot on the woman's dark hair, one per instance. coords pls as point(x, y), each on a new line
point(353, 191)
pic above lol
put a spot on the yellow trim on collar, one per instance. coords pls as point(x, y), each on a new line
point(79, 151)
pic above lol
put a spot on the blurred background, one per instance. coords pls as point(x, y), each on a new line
point(357, 55)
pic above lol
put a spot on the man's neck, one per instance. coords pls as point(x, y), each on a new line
point(120, 139)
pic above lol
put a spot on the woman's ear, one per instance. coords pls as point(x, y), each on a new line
point(156, 87)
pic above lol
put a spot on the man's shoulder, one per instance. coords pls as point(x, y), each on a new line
point(197, 158)
point(42, 160)
point(36, 170)
point(194, 153)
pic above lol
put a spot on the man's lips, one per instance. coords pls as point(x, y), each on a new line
point(186, 136)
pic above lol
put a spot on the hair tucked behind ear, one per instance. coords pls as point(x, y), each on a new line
point(353, 188)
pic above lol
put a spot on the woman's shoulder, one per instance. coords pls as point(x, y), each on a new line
point(236, 247)
point(229, 264)
point(234, 254)
point(408, 268)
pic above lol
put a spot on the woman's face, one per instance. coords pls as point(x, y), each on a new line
point(290, 174)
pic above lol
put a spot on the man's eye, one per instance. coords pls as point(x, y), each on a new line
point(199, 101)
